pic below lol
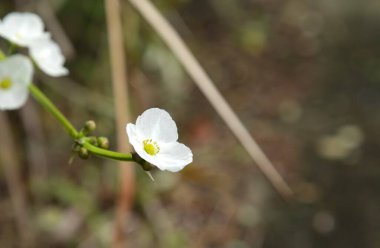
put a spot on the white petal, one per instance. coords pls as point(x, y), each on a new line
point(22, 28)
point(137, 143)
point(49, 58)
point(14, 99)
point(158, 125)
point(19, 70)
point(133, 138)
point(172, 157)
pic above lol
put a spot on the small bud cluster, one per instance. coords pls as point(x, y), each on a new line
point(101, 142)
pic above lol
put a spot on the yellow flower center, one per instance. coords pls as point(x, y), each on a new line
point(5, 84)
point(151, 147)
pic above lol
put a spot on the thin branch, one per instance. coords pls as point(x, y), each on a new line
point(203, 81)
point(47, 12)
point(107, 153)
point(120, 91)
point(78, 137)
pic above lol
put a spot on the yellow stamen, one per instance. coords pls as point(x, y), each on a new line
point(5, 84)
point(151, 147)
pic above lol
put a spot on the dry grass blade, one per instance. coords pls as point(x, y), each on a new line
point(45, 9)
point(203, 81)
point(120, 91)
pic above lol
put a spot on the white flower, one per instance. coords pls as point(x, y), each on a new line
point(27, 29)
point(48, 56)
point(154, 138)
point(22, 28)
point(15, 75)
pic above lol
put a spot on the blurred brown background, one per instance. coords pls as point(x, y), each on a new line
point(304, 76)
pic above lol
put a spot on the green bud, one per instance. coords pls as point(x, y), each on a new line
point(103, 142)
point(93, 141)
point(76, 147)
point(90, 126)
point(83, 153)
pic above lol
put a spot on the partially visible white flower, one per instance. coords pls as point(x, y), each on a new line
point(22, 28)
point(154, 138)
point(27, 29)
point(49, 58)
point(15, 75)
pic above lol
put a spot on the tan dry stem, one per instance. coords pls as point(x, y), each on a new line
point(205, 84)
point(120, 91)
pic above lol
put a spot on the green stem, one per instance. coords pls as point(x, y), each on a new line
point(42, 99)
point(106, 153)
point(85, 142)
point(49, 106)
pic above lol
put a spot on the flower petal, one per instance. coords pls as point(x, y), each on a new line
point(158, 125)
point(137, 143)
point(48, 57)
point(14, 99)
point(22, 28)
point(133, 137)
point(173, 157)
point(19, 70)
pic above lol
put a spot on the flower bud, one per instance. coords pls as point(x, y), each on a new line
point(83, 153)
point(89, 127)
point(103, 142)
point(93, 141)
point(76, 147)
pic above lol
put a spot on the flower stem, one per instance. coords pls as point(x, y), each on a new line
point(50, 107)
point(42, 99)
point(84, 141)
point(106, 153)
